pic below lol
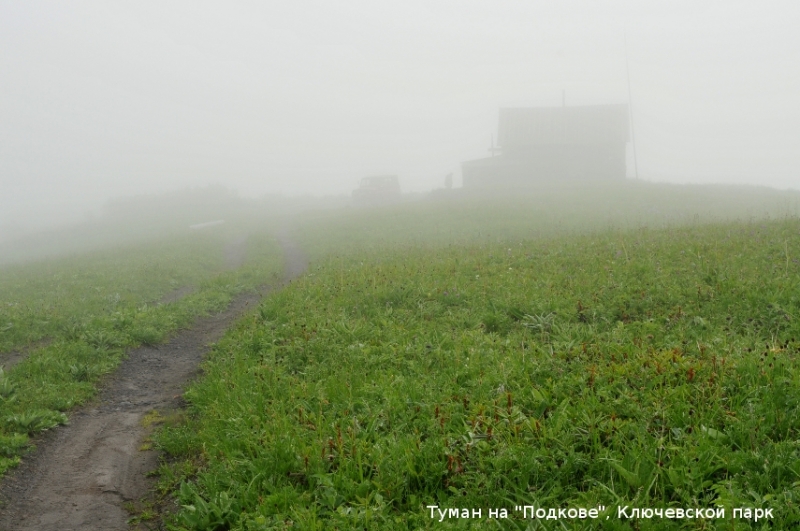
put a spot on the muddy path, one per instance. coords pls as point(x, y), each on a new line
point(235, 253)
point(81, 476)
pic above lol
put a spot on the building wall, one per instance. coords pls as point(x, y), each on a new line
point(553, 144)
point(519, 129)
point(548, 163)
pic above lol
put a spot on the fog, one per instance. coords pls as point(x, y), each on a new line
point(101, 100)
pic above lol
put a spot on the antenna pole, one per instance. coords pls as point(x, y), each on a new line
point(493, 149)
point(630, 108)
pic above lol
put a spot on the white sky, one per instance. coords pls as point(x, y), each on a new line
point(101, 99)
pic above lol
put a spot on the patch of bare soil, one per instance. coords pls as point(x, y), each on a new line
point(176, 295)
point(9, 359)
point(82, 475)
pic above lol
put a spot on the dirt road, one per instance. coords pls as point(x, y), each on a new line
point(82, 475)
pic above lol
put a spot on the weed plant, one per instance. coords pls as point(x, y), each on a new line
point(649, 367)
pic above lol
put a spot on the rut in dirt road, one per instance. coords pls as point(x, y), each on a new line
point(82, 475)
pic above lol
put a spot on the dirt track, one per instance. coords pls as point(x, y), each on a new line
point(82, 475)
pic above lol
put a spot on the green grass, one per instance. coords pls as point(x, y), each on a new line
point(58, 297)
point(74, 318)
point(645, 367)
point(536, 212)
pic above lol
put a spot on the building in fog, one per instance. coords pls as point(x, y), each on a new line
point(554, 143)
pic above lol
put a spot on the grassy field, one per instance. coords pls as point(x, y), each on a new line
point(69, 320)
point(555, 364)
point(543, 211)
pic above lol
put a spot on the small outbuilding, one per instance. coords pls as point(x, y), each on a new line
point(545, 144)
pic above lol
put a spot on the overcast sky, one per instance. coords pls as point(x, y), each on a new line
point(102, 99)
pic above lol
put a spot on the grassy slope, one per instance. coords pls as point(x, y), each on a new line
point(537, 212)
point(43, 299)
point(76, 317)
point(644, 367)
